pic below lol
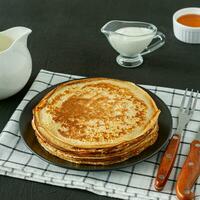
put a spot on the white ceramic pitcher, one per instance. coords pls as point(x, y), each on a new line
point(15, 60)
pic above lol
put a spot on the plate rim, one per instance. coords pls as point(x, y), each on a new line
point(83, 167)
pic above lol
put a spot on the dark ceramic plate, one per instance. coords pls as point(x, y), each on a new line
point(27, 133)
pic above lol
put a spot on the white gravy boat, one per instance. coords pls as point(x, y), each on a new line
point(131, 39)
point(15, 60)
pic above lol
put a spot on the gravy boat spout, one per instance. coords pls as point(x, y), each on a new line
point(108, 28)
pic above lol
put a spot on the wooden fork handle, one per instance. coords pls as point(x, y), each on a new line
point(189, 173)
point(167, 162)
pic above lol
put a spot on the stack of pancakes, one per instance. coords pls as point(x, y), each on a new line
point(96, 121)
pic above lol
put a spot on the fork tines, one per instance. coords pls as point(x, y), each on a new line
point(190, 105)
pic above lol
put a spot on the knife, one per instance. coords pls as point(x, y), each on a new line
point(189, 172)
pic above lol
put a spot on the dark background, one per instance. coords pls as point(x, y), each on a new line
point(66, 38)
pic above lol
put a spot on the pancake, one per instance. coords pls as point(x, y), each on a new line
point(96, 121)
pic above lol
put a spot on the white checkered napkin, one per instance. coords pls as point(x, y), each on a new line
point(134, 182)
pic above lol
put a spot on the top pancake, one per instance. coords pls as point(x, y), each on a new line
point(95, 112)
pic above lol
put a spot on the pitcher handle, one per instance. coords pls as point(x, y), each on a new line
point(156, 45)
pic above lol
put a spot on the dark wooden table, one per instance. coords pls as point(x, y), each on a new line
point(66, 38)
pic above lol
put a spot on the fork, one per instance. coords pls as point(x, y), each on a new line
point(168, 159)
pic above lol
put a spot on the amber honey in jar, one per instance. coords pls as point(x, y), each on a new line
point(186, 25)
point(192, 20)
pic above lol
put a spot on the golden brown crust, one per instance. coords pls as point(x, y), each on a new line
point(98, 161)
point(84, 120)
point(98, 150)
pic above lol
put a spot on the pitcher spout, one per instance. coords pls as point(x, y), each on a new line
point(18, 33)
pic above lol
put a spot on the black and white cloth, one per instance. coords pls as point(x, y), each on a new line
point(135, 182)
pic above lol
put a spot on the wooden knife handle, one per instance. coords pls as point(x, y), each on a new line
point(167, 162)
point(189, 173)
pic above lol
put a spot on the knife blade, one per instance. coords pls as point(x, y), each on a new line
point(189, 172)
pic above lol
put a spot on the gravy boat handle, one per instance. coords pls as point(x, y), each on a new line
point(159, 43)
